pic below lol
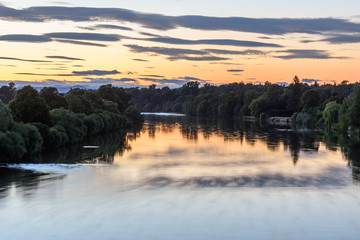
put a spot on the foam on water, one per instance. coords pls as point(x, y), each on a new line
point(47, 168)
point(164, 114)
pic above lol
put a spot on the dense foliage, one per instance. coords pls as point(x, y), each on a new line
point(33, 121)
point(330, 106)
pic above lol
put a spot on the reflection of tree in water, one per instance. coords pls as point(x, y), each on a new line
point(293, 141)
point(351, 152)
point(24, 180)
point(109, 144)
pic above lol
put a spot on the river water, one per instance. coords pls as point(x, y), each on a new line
point(179, 178)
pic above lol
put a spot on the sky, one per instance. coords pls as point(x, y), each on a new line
point(171, 42)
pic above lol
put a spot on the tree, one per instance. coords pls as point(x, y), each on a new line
point(116, 95)
point(310, 99)
point(7, 93)
point(330, 114)
point(6, 119)
point(28, 106)
point(52, 98)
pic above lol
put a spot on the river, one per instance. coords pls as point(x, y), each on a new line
point(180, 178)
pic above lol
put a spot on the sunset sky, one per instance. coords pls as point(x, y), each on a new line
point(170, 42)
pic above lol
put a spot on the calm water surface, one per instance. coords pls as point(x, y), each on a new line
point(177, 178)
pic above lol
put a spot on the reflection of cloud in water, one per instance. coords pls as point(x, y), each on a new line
point(332, 177)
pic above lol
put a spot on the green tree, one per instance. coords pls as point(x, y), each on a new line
point(330, 114)
point(53, 98)
point(310, 99)
point(7, 93)
point(6, 119)
point(28, 106)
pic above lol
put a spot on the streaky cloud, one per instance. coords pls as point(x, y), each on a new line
point(110, 26)
point(95, 73)
point(221, 42)
point(164, 51)
point(307, 54)
point(65, 58)
point(205, 58)
point(25, 38)
point(82, 43)
point(274, 26)
point(230, 52)
point(153, 76)
point(235, 70)
point(84, 36)
point(140, 60)
point(342, 39)
point(75, 73)
point(24, 60)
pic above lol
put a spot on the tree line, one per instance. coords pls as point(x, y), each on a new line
point(32, 121)
point(331, 107)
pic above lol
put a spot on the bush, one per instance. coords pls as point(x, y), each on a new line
point(31, 136)
point(6, 119)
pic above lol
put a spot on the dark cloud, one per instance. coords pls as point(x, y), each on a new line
point(276, 26)
point(140, 60)
point(95, 73)
point(221, 42)
point(226, 63)
point(205, 58)
point(110, 26)
point(66, 58)
point(76, 73)
point(308, 53)
point(82, 43)
point(235, 70)
point(164, 51)
point(125, 80)
point(153, 76)
point(230, 52)
point(25, 60)
point(25, 38)
point(110, 80)
point(149, 34)
point(84, 36)
point(343, 39)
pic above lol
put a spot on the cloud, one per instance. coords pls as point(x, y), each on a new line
point(164, 51)
point(25, 38)
point(153, 76)
point(109, 26)
point(82, 43)
point(125, 80)
point(307, 54)
point(140, 60)
point(76, 73)
point(275, 26)
point(343, 39)
point(230, 52)
point(109, 80)
point(235, 70)
point(95, 73)
point(205, 58)
point(84, 36)
point(25, 60)
point(66, 58)
point(221, 42)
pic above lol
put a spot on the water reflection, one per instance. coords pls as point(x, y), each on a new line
point(301, 146)
point(25, 181)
